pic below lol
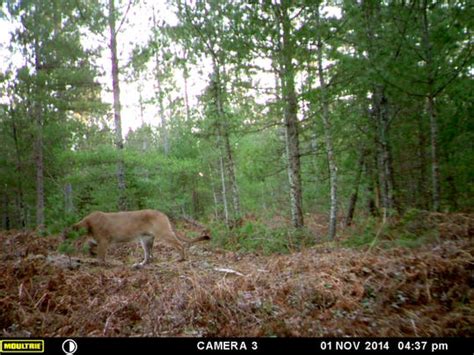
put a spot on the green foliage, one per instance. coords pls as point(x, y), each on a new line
point(413, 230)
point(74, 235)
point(259, 238)
point(366, 236)
point(67, 248)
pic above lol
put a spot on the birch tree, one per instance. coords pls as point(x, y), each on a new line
point(325, 114)
point(112, 14)
point(286, 70)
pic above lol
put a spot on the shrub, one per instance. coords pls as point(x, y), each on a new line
point(254, 236)
point(412, 230)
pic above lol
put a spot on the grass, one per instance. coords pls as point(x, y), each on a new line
point(254, 236)
point(412, 230)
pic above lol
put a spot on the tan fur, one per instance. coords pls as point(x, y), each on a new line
point(144, 225)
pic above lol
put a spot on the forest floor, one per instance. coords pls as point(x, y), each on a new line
point(324, 290)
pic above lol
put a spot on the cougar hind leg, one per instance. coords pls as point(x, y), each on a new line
point(147, 244)
point(184, 253)
point(181, 248)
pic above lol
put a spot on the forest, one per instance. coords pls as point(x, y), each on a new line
point(327, 146)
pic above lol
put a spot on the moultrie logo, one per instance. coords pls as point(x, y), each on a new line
point(21, 346)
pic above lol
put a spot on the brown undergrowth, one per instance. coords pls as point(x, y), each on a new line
point(321, 291)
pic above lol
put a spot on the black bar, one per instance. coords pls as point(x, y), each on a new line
point(296, 346)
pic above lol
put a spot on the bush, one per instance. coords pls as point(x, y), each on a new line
point(365, 237)
point(254, 236)
point(412, 230)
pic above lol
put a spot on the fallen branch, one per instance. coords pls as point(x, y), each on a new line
point(228, 271)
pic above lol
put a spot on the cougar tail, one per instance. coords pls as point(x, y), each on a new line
point(194, 240)
point(200, 239)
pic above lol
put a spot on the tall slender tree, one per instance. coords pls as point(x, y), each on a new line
point(112, 14)
point(287, 73)
point(325, 114)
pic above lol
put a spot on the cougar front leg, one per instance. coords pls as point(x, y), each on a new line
point(102, 250)
point(92, 246)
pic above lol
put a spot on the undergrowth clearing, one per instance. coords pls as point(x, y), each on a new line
point(324, 290)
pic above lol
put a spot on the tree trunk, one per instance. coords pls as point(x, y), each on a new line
point(186, 86)
point(224, 192)
point(435, 174)
point(141, 103)
point(20, 204)
point(371, 206)
point(421, 200)
point(164, 128)
point(287, 79)
point(38, 145)
point(216, 204)
point(160, 95)
point(215, 195)
point(196, 203)
point(380, 116)
point(355, 191)
point(386, 152)
point(224, 141)
point(392, 188)
point(22, 210)
point(372, 195)
point(328, 138)
point(5, 210)
point(39, 164)
point(230, 168)
point(122, 202)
